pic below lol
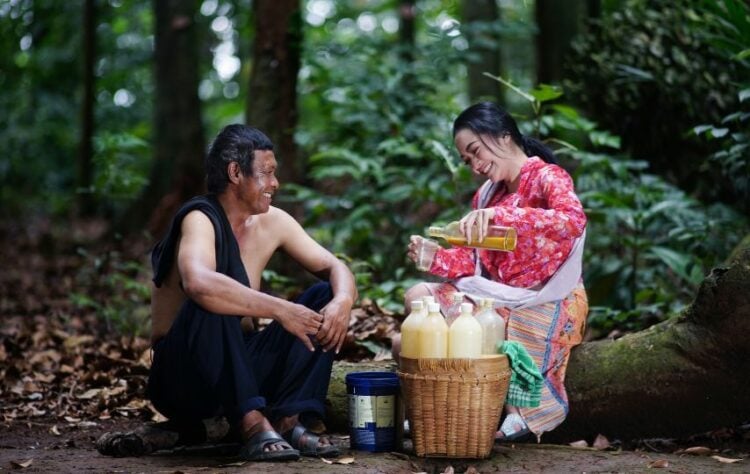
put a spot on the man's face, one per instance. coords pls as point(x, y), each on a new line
point(259, 188)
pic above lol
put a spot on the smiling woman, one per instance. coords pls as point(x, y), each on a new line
point(524, 190)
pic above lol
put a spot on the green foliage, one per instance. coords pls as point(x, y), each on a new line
point(42, 76)
point(649, 73)
point(648, 243)
point(729, 31)
point(122, 163)
point(383, 170)
point(38, 74)
point(120, 291)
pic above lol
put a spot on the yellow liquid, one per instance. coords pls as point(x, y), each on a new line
point(433, 337)
point(465, 338)
point(494, 243)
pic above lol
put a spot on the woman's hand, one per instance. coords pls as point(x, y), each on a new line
point(475, 225)
point(422, 251)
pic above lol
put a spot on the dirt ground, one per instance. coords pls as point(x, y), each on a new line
point(35, 447)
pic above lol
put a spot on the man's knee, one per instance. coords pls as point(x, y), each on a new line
point(316, 296)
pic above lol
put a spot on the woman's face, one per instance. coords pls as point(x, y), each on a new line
point(484, 156)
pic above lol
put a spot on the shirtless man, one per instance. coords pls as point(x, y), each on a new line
point(208, 357)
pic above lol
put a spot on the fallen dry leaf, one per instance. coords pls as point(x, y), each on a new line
point(54, 430)
point(659, 463)
point(448, 470)
point(345, 460)
point(471, 470)
point(601, 442)
point(327, 461)
point(579, 444)
point(21, 464)
point(726, 460)
point(696, 450)
point(89, 394)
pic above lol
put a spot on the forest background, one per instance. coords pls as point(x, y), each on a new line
point(109, 105)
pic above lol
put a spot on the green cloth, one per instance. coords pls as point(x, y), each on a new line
point(525, 389)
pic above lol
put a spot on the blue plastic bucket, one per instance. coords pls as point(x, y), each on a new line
point(373, 398)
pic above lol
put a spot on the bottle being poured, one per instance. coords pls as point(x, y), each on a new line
point(497, 238)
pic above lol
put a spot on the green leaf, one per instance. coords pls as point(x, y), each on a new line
point(677, 262)
point(719, 132)
point(744, 93)
point(546, 92)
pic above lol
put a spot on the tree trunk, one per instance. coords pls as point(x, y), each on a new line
point(85, 202)
point(483, 55)
point(272, 95)
point(179, 144)
point(407, 14)
point(558, 22)
point(680, 377)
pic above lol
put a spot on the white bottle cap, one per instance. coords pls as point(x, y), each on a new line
point(466, 308)
point(458, 296)
point(417, 304)
point(433, 308)
point(428, 299)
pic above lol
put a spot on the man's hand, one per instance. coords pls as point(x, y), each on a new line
point(335, 324)
point(302, 322)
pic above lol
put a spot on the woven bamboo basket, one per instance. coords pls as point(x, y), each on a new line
point(454, 405)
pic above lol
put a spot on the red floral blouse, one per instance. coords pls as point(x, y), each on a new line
point(547, 216)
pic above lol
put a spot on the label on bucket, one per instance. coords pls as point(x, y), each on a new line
point(372, 422)
point(369, 409)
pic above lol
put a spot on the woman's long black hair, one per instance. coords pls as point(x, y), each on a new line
point(489, 119)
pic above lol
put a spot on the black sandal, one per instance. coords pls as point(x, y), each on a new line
point(255, 448)
point(310, 446)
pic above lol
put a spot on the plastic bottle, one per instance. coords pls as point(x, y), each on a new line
point(493, 326)
point(465, 335)
point(433, 334)
point(498, 237)
point(455, 309)
point(410, 330)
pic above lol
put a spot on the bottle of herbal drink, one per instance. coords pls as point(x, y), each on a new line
point(498, 237)
point(433, 334)
point(465, 336)
point(410, 330)
point(493, 326)
point(455, 308)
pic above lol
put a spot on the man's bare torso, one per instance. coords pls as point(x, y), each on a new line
point(257, 240)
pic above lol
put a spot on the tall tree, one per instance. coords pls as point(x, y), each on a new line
point(179, 144)
point(558, 22)
point(272, 94)
point(85, 151)
point(483, 55)
point(407, 14)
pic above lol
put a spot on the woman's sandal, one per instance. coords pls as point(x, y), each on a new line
point(310, 445)
point(513, 428)
point(255, 448)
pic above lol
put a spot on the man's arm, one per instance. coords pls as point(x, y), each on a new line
point(218, 293)
point(319, 261)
